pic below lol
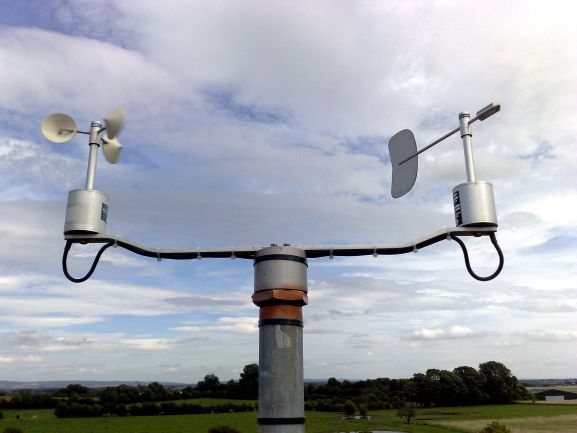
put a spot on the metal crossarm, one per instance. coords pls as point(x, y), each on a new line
point(312, 251)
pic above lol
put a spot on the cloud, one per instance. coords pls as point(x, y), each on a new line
point(453, 332)
point(147, 344)
point(32, 359)
point(41, 302)
point(33, 340)
point(508, 343)
point(32, 173)
point(57, 71)
point(241, 325)
point(207, 301)
point(548, 335)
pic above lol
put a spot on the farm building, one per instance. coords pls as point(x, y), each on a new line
point(555, 395)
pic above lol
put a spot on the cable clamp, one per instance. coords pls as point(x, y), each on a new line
point(198, 255)
point(415, 249)
point(232, 255)
point(375, 254)
point(449, 234)
point(331, 255)
point(158, 258)
point(115, 244)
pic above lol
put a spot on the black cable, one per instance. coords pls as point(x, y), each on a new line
point(468, 264)
point(93, 267)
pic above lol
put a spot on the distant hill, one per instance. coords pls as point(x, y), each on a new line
point(8, 385)
point(544, 383)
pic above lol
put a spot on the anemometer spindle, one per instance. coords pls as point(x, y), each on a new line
point(280, 272)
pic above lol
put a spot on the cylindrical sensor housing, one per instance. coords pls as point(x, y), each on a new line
point(280, 267)
point(474, 205)
point(86, 212)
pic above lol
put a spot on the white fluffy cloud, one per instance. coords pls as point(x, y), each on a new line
point(454, 332)
point(49, 71)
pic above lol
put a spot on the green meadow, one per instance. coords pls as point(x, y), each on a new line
point(435, 420)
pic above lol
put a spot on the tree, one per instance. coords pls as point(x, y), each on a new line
point(333, 383)
point(407, 411)
point(210, 384)
point(426, 388)
point(130, 394)
point(155, 391)
point(248, 382)
point(349, 408)
point(452, 389)
point(498, 382)
point(524, 394)
point(74, 391)
point(230, 388)
point(189, 392)
point(473, 381)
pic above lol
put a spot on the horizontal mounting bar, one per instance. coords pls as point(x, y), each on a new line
point(312, 251)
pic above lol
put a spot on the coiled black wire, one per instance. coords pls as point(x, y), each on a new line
point(468, 264)
point(92, 268)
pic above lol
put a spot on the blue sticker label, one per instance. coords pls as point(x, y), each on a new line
point(104, 212)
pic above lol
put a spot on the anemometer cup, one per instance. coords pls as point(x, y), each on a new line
point(58, 128)
point(86, 212)
point(474, 205)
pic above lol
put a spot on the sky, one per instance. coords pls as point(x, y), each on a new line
point(253, 122)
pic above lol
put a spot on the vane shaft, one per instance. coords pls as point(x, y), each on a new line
point(489, 110)
point(430, 145)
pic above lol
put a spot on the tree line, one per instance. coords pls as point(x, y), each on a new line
point(77, 400)
point(491, 383)
point(95, 409)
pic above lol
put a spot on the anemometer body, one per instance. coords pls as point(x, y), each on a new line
point(86, 212)
point(87, 209)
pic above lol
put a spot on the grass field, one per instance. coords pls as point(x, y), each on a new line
point(521, 417)
point(556, 424)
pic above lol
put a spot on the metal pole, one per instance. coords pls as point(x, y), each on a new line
point(95, 128)
point(280, 290)
point(467, 146)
